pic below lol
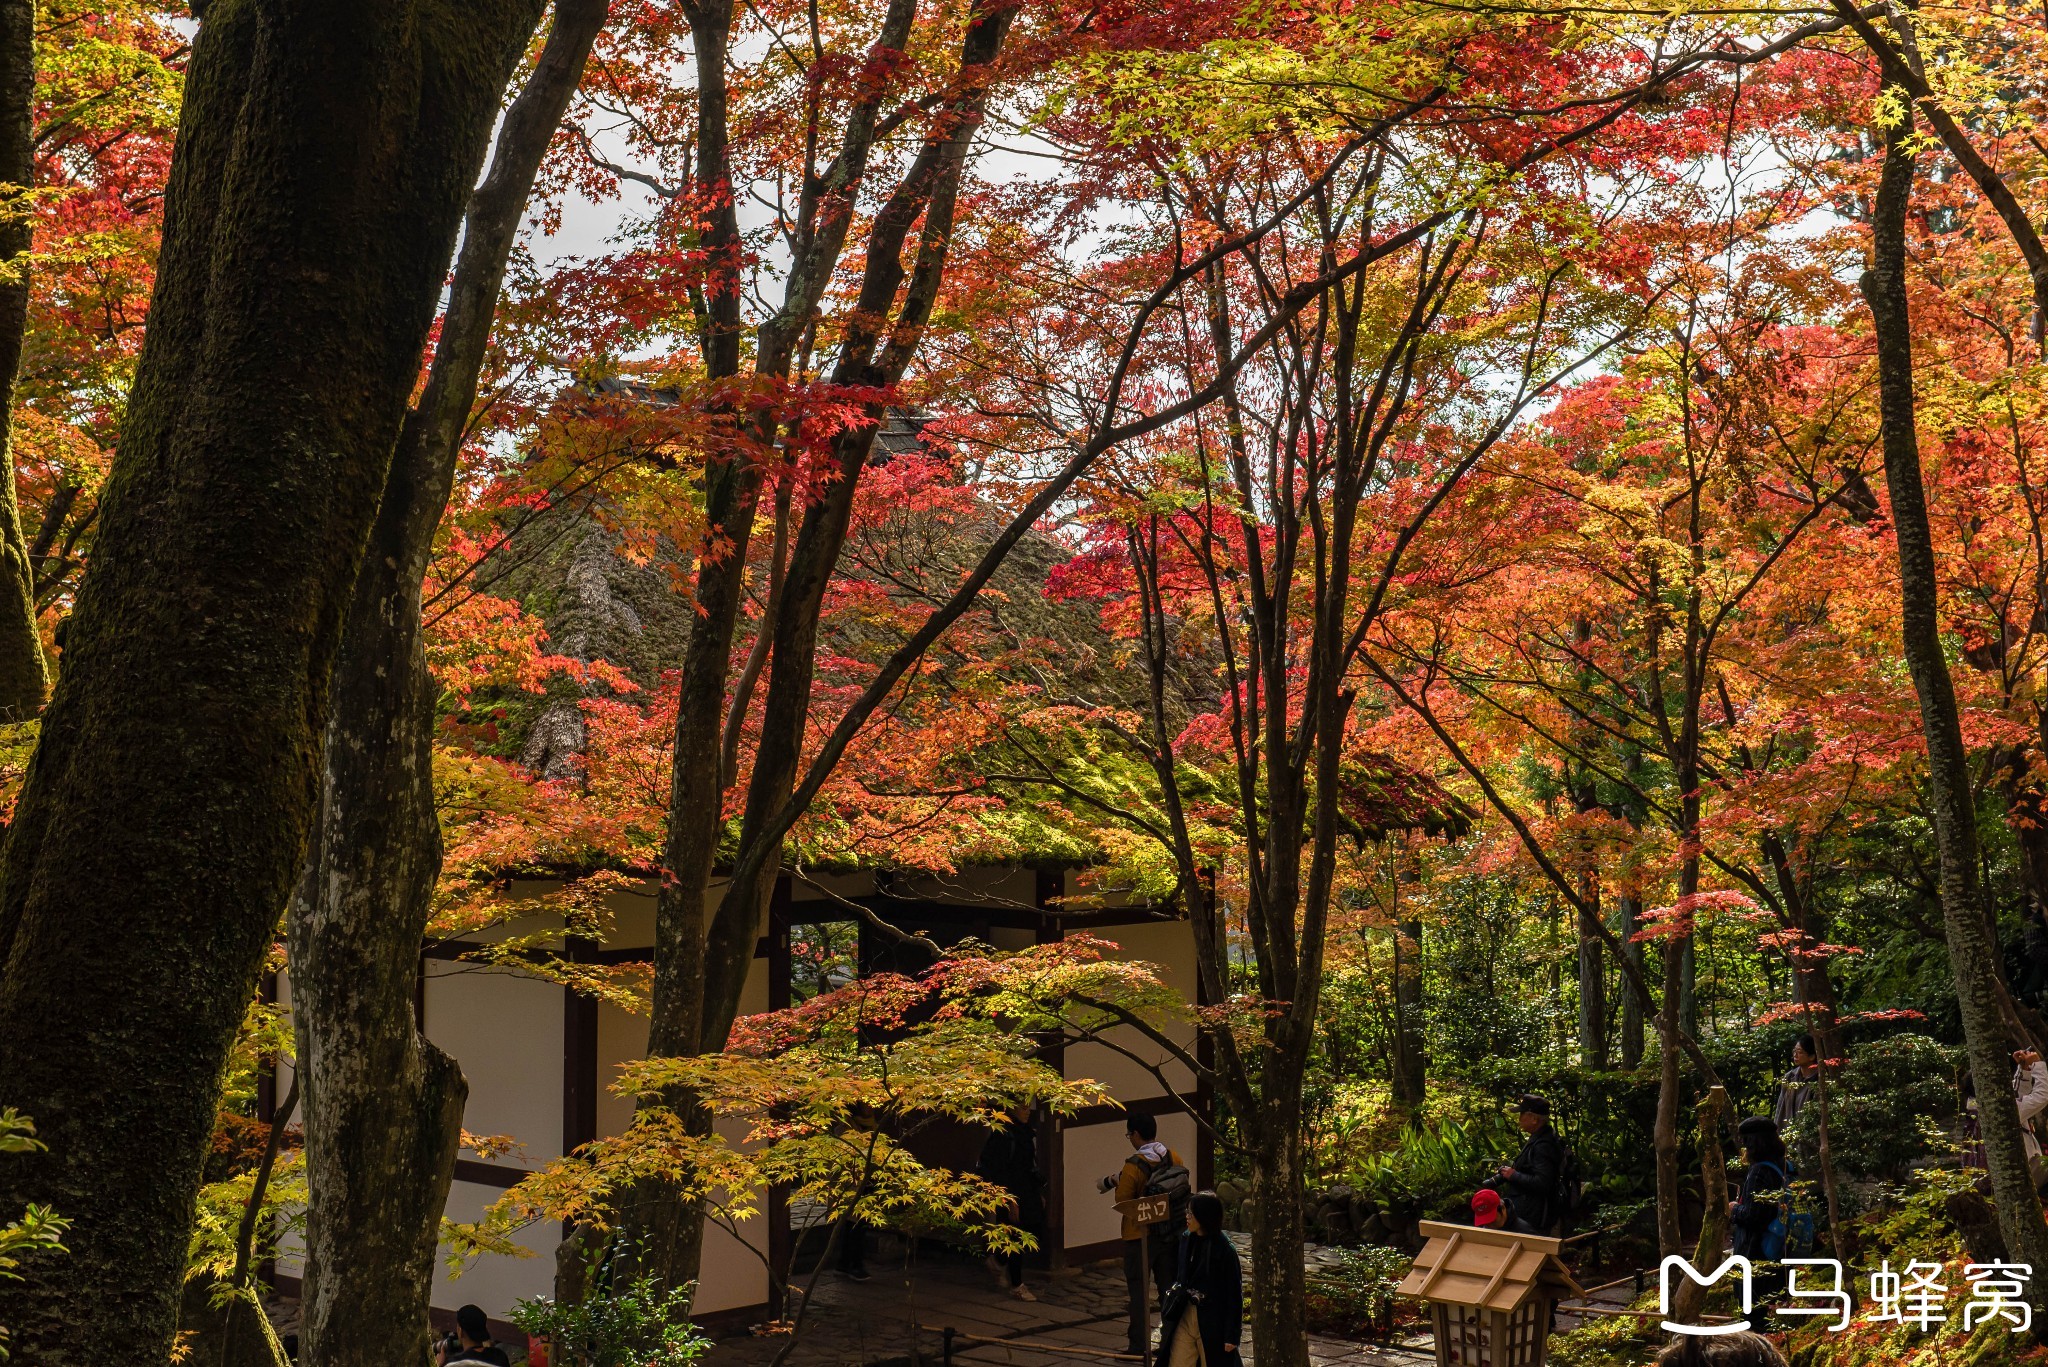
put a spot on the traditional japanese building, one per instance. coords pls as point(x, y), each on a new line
point(539, 1058)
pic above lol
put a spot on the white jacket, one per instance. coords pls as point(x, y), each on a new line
point(2030, 1089)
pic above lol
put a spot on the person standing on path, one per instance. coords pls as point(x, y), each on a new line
point(1795, 1089)
point(1752, 1212)
point(1010, 1160)
point(1148, 1155)
point(1203, 1321)
point(2030, 1089)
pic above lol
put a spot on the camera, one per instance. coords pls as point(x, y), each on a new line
point(450, 1345)
point(1106, 1184)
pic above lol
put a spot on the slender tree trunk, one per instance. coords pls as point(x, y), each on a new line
point(24, 678)
point(1691, 1296)
point(383, 1105)
point(1411, 1067)
point(1670, 1225)
point(1632, 1024)
point(1812, 989)
point(1592, 982)
point(1973, 953)
point(1687, 949)
point(324, 156)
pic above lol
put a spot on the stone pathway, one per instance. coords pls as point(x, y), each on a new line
point(1078, 1319)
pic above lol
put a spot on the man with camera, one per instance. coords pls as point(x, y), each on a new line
point(471, 1341)
point(1149, 1163)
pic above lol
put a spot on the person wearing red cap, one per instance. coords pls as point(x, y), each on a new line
point(1488, 1212)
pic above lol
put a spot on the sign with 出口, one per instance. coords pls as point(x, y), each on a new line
point(1147, 1210)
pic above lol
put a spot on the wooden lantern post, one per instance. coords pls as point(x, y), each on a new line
point(1490, 1294)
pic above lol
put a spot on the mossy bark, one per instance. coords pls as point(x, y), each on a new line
point(383, 1105)
point(24, 676)
point(324, 156)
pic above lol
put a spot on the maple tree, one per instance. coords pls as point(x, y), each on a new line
point(1251, 557)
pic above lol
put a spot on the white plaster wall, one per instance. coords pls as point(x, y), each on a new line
point(734, 1270)
point(495, 1281)
point(1170, 946)
point(1093, 1152)
point(632, 913)
point(505, 1029)
point(621, 1038)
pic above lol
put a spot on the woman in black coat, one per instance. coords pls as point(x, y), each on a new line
point(1205, 1309)
point(1752, 1212)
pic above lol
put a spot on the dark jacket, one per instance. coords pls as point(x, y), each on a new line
point(1010, 1160)
point(1753, 1213)
point(1207, 1267)
point(1539, 1172)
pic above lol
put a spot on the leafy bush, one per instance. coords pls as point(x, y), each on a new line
point(1352, 1294)
point(39, 1230)
point(1616, 1341)
point(1878, 1108)
point(640, 1324)
point(1429, 1167)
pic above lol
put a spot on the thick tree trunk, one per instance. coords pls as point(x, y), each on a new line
point(323, 158)
point(1278, 1287)
point(1411, 1065)
point(1633, 1027)
point(383, 1105)
point(1973, 953)
point(24, 676)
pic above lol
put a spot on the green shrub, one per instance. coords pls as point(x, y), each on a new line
point(640, 1324)
point(1352, 1295)
point(1894, 1099)
point(1428, 1168)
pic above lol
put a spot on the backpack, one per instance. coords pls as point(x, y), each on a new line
point(1791, 1231)
point(1171, 1180)
point(1571, 1183)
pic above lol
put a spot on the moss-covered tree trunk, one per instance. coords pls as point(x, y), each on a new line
point(1411, 1063)
point(1278, 1277)
point(24, 678)
point(1973, 952)
point(1690, 1297)
point(383, 1105)
point(1664, 1138)
point(1626, 923)
point(324, 156)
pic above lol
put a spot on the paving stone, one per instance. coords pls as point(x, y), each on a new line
point(1079, 1314)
